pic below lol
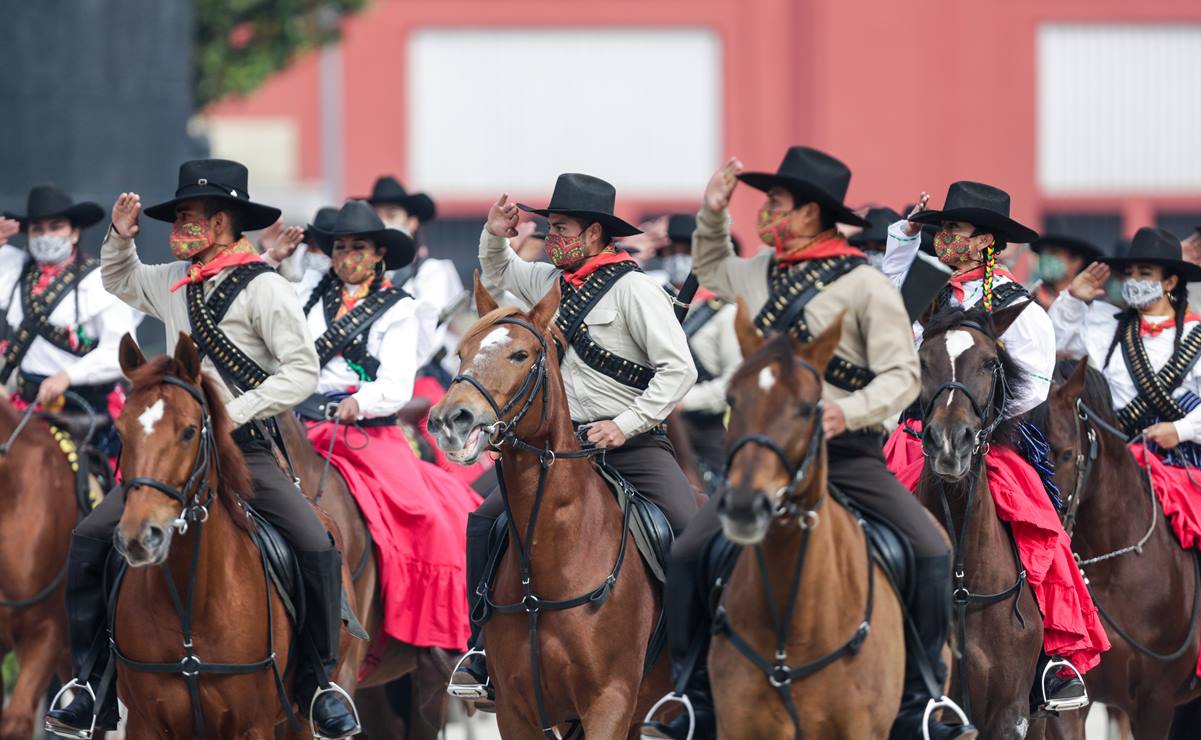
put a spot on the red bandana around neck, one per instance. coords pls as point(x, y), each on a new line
point(832, 246)
point(47, 273)
point(1151, 329)
point(607, 257)
point(976, 273)
point(241, 252)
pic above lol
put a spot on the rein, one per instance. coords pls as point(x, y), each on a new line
point(777, 670)
point(961, 595)
point(196, 497)
point(501, 433)
point(1089, 418)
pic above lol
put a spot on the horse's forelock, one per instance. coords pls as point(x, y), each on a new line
point(777, 349)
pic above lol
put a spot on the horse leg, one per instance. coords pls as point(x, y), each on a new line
point(513, 727)
point(611, 714)
point(1069, 726)
point(1150, 721)
point(38, 656)
point(427, 695)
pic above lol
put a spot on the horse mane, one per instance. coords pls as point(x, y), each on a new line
point(1096, 394)
point(953, 317)
point(234, 481)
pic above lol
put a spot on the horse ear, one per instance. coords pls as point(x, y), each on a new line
point(749, 338)
point(130, 354)
point(1003, 319)
point(545, 310)
point(187, 358)
point(484, 302)
point(821, 348)
point(1073, 387)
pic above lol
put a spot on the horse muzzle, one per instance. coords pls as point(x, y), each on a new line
point(460, 434)
point(148, 544)
point(744, 517)
point(950, 449)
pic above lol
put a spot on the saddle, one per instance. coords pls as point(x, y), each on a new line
point(889, 549)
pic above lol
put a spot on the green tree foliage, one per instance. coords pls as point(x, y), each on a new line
point(239, 43)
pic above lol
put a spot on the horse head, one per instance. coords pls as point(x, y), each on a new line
point(170, 435)
point(775, 433)
point(966, 380)
point(504, 369)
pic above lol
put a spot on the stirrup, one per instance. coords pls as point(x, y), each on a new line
point(334, 689)
point(668, 698)
point(1062, 705)
point(934, 705)
point(464, 691)
point(60, 731)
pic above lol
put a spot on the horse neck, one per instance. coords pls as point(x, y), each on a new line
point(968, 500)
point(1117, 510)
point(218, 550)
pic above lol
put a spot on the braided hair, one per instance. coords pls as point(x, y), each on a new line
point(1179, 299)
point(990, 265)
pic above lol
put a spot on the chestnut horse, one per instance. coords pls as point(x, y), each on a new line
point(835, 664)
point(966, 380)
point(591, 618)
point(37, 488)
point(1144, 583)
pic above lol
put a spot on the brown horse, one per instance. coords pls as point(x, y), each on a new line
point(966, 377)
point(586, 663)
point(1148, 596)
point(37, 488)
point(836, 663)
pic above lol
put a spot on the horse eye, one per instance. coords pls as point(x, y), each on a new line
point(188, 434)
point(805, 411)
point(1065, 456)
point(519, 356)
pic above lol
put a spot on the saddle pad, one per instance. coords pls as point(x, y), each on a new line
point(651, 531)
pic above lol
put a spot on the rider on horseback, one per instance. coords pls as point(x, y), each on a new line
point(63, 327)
point(248, 323)
point(801, 287)
point(626, 367)
point(973, 227)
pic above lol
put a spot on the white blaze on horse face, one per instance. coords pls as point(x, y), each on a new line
point(767, 379)
point(151, 416)
point(498, 337)
point(957, 342)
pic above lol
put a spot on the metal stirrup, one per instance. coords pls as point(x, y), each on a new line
point(1063, 705)
point(468, 692)
point(74, 684)
point(334, 688)
point(668, 698)
point(934, 705)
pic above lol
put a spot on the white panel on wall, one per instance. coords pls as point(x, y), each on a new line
point(492, 110)
point(269, 146)
point(1119, 108)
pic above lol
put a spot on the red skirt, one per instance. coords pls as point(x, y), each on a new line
point(427, 387)
point(417, 514)
point(1072, 628)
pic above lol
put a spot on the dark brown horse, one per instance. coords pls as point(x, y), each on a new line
point(1148, 596)
point(586, 663)
point(966, 379)
point(805, 595)
point(37, 513)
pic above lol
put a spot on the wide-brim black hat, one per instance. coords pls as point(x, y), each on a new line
point(878, 221)
point(1082, 247)
point(1157, 247)
point(810, 175)
point(982, 206)
point(323, 222)
point(47, 201)
point(388, 190)
point(587, 198)
point(217, 179)
point(680, 227)
point(357, 218)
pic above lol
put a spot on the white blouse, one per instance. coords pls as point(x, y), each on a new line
point(398, 339)
point(1088, 329)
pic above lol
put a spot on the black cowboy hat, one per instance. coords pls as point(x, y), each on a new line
point(1157, 247)
point(810, 175)
point(587, 198)
point(1087, 250)
point(982, 206)
point(680, 227)
point(388, 190)
point(357, 218)
point(323, 222)
point(47, 201)
point(218, 179)
point(878, 221)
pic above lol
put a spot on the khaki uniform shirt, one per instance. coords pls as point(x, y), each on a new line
point(264, 321)
point(715, 345)
point(875, 332)
point(634, 320)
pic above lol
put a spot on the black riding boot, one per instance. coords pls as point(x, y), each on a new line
point(86, 622)
point(332, 714)
point(931, 613)
point(470, 679)
point(687, 618)
point(1053, 693)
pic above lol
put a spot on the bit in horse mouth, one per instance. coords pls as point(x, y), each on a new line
point(473, 446)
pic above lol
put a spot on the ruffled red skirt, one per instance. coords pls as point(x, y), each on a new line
point(1072, 628)
point(417, 514)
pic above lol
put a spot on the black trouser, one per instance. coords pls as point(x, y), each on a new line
point(707, 435)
